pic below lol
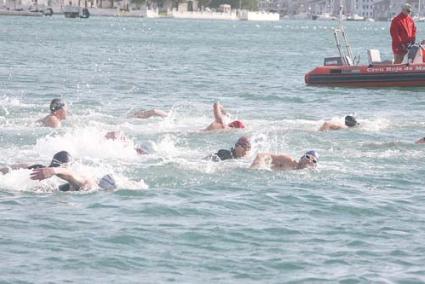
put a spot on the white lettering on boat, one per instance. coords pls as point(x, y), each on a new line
point(395, 69)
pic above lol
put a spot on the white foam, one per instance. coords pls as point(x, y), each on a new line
point(88, 143)
point(19, 180)
point(6, 101)
point(374, 125)
point(166, 147)
point(125, 183)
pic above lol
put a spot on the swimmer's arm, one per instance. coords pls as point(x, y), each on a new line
point(71, 177)
point(63, 173)
point(261, 160)
point(330, 126)
point(150, 113)
point(324, 127)
point(218, 113)
point(160, 113)
point(6, 170)
point(141, 114)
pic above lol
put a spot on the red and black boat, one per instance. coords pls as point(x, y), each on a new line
point(343, 71)
point(385, 75)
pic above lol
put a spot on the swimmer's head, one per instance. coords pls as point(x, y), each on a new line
point(107, 182)
point(243, 142)
point(309, 159)
point(61, 159)
point(242, 147)
point(351, 121)
point(59, 108)
point(56, 104)
point(237, 124)
point(313, 154)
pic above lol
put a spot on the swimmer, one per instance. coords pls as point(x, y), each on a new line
point(60, 159)
point(421, 141)
point(241, 149)
point(219, 117)
point(285, 162)
point(76, 182)
point(58, 112)
point(119, 136)
point(143, 114)
point(350, 121)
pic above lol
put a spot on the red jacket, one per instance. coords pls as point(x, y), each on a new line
point(403, 32)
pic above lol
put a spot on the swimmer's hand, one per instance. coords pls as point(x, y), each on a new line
point(42, 173)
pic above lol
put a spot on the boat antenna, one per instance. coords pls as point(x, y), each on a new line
point(344, 48)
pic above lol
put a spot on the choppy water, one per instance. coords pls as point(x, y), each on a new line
point(358, 218)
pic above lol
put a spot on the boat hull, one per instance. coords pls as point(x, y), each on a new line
point(387, 75)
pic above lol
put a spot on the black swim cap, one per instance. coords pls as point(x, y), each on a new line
point(56, 104)
point(350, 121)
point(60, 158)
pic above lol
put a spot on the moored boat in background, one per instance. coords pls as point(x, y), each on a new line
point(71, 11)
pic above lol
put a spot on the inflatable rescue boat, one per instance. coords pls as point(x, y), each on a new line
point(344, 71)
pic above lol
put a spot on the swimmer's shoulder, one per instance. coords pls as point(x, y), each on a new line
point(283, 161)
point(50, 121)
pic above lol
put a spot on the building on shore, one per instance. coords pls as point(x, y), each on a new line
point(382, 10)
point(374, 9)
point(385, 10)
point(191, 10)
point(23, 4)
point(305, 8)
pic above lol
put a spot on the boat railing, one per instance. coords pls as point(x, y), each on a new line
point(342, 44)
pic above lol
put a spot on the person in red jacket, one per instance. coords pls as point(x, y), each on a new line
point(403, 33)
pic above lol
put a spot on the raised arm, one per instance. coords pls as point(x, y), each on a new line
point(219, 113)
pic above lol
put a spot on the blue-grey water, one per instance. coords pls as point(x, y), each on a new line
point(358, 218)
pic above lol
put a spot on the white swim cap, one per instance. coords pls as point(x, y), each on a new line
point(312, 153)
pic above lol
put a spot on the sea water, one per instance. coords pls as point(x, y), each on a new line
point(357, 218)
